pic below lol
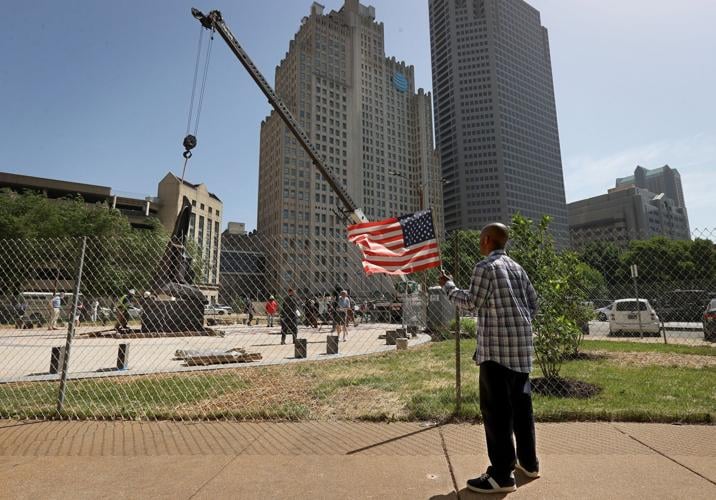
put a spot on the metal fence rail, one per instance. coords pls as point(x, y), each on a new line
point(119, 328)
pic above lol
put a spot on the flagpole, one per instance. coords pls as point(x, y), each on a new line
point(440, 253)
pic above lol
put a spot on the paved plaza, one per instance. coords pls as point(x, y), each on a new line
point(25, 354)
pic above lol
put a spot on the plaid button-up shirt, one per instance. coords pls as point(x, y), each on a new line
point(506, 302)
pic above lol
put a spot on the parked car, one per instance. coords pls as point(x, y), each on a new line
point(682, 305)
point(625, 314)
point(709, 321)
point(602, 313)
point(214, 310)
point(134, 312)
point(107, 314)
point(227, 309)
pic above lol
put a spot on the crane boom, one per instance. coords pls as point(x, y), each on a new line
point(214, 21)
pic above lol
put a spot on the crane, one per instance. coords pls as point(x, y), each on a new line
point(215, 22)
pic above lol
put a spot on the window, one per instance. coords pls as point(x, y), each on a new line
point(192, 222)
point(200, 235)
point(631, 306)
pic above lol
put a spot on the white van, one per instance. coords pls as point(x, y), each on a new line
point(624, 317)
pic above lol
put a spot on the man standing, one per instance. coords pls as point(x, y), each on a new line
point(20, 308)
point(55, 307)
point(271, 308)
point(289, 316)
point(309, 310)
point(95, 308)
point(122, 311)
point(249, 310)
point(506, 302)
point(344, 306)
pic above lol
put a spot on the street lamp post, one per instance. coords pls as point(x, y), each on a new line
point(419, 186)
point(420, 189)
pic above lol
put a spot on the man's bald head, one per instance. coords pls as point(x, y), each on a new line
point(495, 236)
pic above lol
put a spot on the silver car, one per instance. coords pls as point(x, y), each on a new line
point(602, 314)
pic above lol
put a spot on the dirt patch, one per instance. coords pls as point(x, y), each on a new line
point(352, 372)
point(277, 394)
point(661, 359)
point(564, 388)
point(360, 402)
point(586, 356)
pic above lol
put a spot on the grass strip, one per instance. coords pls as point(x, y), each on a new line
point(409, 385)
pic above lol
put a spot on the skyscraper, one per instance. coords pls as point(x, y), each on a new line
point(361, 110)
point(495, 116)
point(664, 179)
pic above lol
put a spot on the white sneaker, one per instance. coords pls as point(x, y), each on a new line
point(529, 473)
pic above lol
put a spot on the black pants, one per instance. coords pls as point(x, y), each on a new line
point(506, 405)
point(290, 327)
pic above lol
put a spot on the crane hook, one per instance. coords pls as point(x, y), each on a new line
point(189, 144)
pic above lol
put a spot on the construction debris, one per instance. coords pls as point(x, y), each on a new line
point(217, 357)
point(137, 334)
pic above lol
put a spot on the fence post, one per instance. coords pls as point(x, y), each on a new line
point(458, 377)
point(71, 330)
point(635, 274)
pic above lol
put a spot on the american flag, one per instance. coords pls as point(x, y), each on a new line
point(399, 245)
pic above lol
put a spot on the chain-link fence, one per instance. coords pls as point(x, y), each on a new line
point(291, 328)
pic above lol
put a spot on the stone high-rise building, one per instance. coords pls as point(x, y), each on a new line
point(362, 112)
point(495, 116)
point(204, 225)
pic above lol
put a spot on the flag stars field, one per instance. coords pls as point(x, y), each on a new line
point(398, 245)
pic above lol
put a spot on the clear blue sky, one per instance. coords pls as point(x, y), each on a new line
point(98, 91)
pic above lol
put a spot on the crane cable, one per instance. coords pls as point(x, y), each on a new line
point(189, 142)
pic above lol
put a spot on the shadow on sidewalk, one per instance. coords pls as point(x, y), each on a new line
point(126, 438)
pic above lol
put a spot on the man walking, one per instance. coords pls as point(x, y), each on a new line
point(249, 310)
point(289, 316)
point(506, 302)
point(55, 307)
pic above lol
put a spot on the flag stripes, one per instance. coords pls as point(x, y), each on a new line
point(401, 245)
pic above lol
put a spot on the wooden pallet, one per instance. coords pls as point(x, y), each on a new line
point(217, 357)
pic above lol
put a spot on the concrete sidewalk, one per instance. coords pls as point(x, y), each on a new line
point(335, 460)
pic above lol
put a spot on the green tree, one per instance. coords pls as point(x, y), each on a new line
point(561, 284)
point(468, 243)
point(595, 285)
point(41, 239)
point(33, 215)
point(703, 255)
point(605, 257)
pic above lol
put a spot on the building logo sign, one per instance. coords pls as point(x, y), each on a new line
point(400, 82)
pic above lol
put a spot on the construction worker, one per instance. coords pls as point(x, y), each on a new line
point(122, 311)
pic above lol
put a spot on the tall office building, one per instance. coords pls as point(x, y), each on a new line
point(362, 112)
point(495, 116)
point(626, 213)
point(664, 179)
